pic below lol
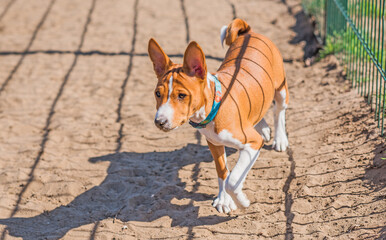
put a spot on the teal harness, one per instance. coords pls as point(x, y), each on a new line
point(215, 106)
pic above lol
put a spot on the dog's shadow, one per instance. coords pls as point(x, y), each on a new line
point(138, 187)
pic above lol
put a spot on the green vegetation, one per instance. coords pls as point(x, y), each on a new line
point(354, 32)
point(349, 44)
point(314, 7)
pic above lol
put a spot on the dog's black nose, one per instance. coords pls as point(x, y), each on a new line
point(160, 122)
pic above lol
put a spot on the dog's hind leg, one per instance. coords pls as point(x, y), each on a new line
point(264, 130)
point(280, 142)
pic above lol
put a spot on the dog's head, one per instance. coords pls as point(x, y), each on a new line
point(179, 91)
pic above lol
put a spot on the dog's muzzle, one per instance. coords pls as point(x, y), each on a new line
point(163, 124)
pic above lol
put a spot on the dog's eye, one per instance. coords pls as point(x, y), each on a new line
point(158, 94)
point(181, 96)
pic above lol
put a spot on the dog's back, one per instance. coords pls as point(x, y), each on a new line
point(252, 63)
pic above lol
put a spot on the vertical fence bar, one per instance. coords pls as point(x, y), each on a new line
point(356, 42)
point(356, 46)
point(346, 34)
point(359, 59)
point(352, 43)
point(367, 55)
point(371, 67)
point(364, 53)
point(382, 96)
point(378, 78)
point(346, 40)
point(373, 47)
point(377, 72)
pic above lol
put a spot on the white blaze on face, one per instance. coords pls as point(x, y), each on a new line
point(166, 111)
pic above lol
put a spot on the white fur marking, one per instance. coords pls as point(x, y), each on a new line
point(224, 138)
point(227, 139)
point(199, 115)
point(280, 142)
point(166, 111)
point(170, 87)
point(210, 135)
point(208, 79)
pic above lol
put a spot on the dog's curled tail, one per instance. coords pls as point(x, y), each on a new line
point(236, 28)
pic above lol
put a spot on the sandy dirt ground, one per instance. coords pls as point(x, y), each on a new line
point(81, 158)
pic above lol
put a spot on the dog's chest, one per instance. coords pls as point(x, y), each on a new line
point(224, 138)
point(210, 134)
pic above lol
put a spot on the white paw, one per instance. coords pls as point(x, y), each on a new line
point(237, 195)
point(264, 130)
point(239, 198)
point(266, 134)
point(280, 143)
point(224, 203)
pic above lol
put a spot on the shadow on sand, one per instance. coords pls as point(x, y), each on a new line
point(138, 187)
point(375, 175)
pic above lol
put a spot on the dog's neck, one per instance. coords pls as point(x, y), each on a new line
point(207, 101)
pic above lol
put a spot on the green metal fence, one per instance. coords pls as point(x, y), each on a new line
point(354, 31)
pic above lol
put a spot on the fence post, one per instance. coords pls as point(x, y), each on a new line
point(325, 21)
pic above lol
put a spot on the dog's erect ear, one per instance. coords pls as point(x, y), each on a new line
point(194, 61)
point(161, 61)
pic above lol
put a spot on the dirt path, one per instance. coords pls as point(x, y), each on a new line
point(81, 158)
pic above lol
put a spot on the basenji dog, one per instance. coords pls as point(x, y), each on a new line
point(227, 106)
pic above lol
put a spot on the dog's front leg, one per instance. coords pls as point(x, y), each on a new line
point(248, 155)
point(223, 202)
